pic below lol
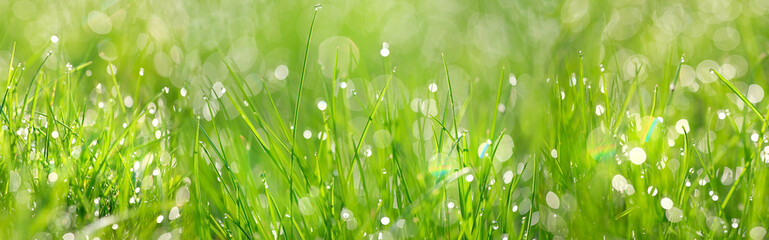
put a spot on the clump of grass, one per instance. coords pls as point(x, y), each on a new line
point(570, 150)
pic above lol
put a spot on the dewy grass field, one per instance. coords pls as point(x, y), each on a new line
point(428, 119)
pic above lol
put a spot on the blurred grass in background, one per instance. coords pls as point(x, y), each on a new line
point(431, 119)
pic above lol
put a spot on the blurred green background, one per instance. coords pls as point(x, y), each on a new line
point(572, 87)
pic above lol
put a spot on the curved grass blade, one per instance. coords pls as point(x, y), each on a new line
point(734, 89)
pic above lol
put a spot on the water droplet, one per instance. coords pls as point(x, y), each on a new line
point(637, 156)
point(174, 214)
point(322, 105)
point(318, 6)
point(599, 110)
point(513, 80)
point(71, 236)
point(619, 183)
point(52, 177)
point(384, 52)
point(385, 220)
point(757, 233)
point(183, 92)
point(111, 69)
point(182, 196)
point(508, 177)
point(307, 134)
point(469, 178)
point(159, 219)
point(552, 200)
point(346, 214)
point(433, 87)
point(674, 215)
point(666, 203)
point(281, 72)
point(54, 39)
point(682, 125)
point(218, 89)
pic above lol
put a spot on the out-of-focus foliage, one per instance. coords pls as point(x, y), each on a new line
point(415, 119)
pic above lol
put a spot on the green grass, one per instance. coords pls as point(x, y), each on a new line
point(487, 120)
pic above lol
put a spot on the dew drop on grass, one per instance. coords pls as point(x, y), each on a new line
point(128, 101)
point(552, 200)
point(352, 224)
point(619, 183)
point(385, 220)
point(99, 22)
point(525, 206)
point(757, 233)
point(755, 93)
point(322, 105)
point(674, 215)
point(652, 191)
point(554, 153)
point(173, 214)
point(218, 89)
point(507, 177)
point(159, 219)
point(504, 149)
point(182, 196)
point(599, 110)
point(682, 125)
point(281, 72)
point(165, 236)
point(666, 203)
point(513, 80)
point(346, 214)
point(183, 92)
point(114, 226)
point(111, 69)
point(483, 149)
point(637, 156)
point(55, 134)
point(384, 52)
point(727, 177)
point(307, 134)
point(721, 114)
point(54, 39)
point(433, 87)
point(346, 60)
point(52, 177)
point(71, 236)
point(469, 178)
